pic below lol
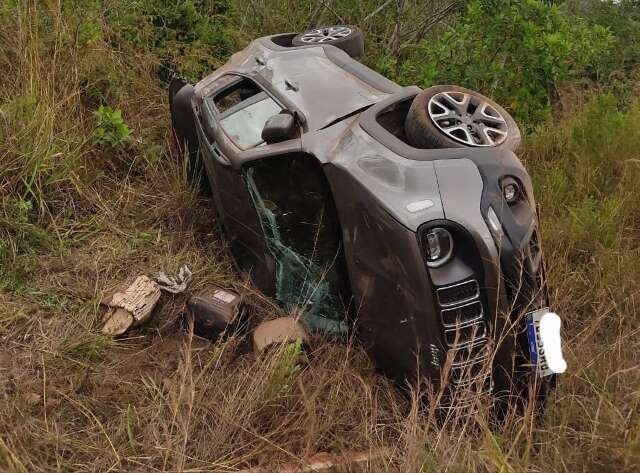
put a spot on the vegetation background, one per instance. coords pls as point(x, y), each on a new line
point(91, 195)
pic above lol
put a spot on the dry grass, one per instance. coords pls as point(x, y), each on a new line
point(76, 221)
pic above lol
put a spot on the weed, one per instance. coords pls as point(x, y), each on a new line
point(285, 367)
point(111, 130)
point(89, 33)
point(101, 83)
point(54, 302)
point(73, 227)
point(89, 348)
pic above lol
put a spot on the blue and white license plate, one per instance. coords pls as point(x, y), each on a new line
point(545, 343)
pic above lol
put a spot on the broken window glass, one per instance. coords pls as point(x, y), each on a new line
point(243, 109)
point(241, 90)
point(298, 219)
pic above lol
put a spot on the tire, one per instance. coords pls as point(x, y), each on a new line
point(349, 38)
point(448, 116)
point(185, 134)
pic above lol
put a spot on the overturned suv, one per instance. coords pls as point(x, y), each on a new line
point(400, 214)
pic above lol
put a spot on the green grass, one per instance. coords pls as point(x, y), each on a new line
point(78, 219)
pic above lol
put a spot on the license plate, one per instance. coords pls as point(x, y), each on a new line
point(545, 343)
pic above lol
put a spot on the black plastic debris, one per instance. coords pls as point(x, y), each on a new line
point(216, 310)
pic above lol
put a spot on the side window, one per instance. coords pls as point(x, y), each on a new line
point(241, 90)
point(244, 108)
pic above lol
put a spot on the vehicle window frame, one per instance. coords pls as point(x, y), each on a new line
point(211, 108)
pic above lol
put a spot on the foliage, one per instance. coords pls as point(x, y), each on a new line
point(74, 227)
point(587, 172)
point(517, 51)
point(283, 370)
point(89, 32)
point(622, 19)
point(101, 83)
point(88, 348)
point(111, 130)
point(16, 220)
point(389, 27)
point(185, 37)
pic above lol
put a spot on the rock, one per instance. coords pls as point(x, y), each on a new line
point(118, 322)
point(215, 310)
point(278, 331)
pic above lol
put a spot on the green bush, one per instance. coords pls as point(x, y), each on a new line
point(101, 83)
point(622, 19)
point(88, 33)
point(517, 51)
point(111, 130)
point(187, 37)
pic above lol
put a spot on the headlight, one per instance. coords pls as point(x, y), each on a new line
point(510, 190)
point(438, 246)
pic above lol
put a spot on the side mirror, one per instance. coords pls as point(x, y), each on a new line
point(280, 127)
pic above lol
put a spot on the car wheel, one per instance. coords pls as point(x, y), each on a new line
point(448, 116)
point(349, 38)
point(184, 132)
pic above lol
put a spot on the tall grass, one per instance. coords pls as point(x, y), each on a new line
point(77, 220)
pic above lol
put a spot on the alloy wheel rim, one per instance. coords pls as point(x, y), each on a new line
point(325, 35)
point(467, 118)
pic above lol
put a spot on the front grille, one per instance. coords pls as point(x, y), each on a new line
point(463, 335)
point(458, 293)
point(461, 313)
point(469, 354)
point(466, 313)
point(466, 335)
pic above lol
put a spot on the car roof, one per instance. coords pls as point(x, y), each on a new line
point(321, 82)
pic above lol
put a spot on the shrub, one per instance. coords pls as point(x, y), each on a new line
point(186, 37)
point(88, 33)
point(111, 130)
point(101, 83)
point(518, 51)
point(283, 370)
point(622, 19)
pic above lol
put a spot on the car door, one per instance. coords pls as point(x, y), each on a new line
point(299, 219)
point(232, 116)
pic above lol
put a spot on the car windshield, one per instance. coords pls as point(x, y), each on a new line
point(244, 126)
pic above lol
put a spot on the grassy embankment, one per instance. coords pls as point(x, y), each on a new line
point(78, 218)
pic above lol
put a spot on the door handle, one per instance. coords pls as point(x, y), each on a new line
point(218, 156)
point(206, 141)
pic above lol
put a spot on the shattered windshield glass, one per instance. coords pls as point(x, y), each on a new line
point(298, 218)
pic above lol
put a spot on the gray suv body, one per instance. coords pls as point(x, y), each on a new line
point(332, 221)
